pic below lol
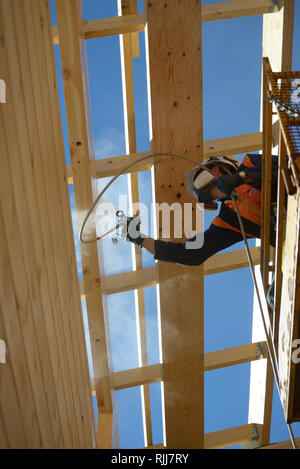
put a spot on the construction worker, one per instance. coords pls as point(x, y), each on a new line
point(218, 178)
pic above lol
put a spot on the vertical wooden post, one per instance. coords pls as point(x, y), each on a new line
point(75, 77)
point(175, 79)
point(129, 48)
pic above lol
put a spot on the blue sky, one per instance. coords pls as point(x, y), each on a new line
point(231, 106)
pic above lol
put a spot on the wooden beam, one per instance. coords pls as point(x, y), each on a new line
point(128, 8)
point(277, 45)
point(109, 26)
point(243, 434)
point(129, 46)
point(147, 277)
point(137, 376)
point(278, 37)
point(74, 67)
point(233, 145)
point(45, 398)
point(133, 280)
point(224, 146)
point(117, 283)
point(134, 23)
point(232, 260)
point(104, 429)
point(237, 9)
point(235, 356)
point(174, 45)
point(282, 445)
point(233, 436)
point(212, 361)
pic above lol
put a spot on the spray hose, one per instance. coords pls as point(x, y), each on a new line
point(124, 170)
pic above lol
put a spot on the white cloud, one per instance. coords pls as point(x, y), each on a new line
point(110, 143)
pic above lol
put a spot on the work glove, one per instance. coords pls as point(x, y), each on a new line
point(133, 233)
point(227, 183)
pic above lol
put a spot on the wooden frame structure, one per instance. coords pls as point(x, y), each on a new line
point(184, 364)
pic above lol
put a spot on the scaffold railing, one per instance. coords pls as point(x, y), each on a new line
point(279, 267)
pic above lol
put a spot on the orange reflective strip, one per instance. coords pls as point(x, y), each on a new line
point(249, 203)
point(249, 206)
point(254, 213)
point(245, 212)
point(222, 224)
point(247, 162)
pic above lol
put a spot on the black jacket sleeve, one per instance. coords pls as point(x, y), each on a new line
point(214, 239)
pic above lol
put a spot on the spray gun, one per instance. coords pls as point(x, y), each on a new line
point(121, 228)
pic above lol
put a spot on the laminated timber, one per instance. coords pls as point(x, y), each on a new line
point(237, 8)
point(77, 99)
point(109, 27)
point(173, 38)
point(45, 392)
point(282, 445)
point(107, 167)
point(147, 277)
point(242, 435)
point(129, 46)
point(135, 22)
point(212, 361)
point(277, 45)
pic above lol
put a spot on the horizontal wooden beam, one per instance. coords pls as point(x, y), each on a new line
point(109, 26)
point(108, 167)
point(136, 376)
point(237, 9)
point(144, 278)
point(111, 166)
point(235, 356)
point(232, 436)
point(233, 145)
point(282, 445)
point(212, 361)
point(229, 437)
point(135, 23)
point(118, 283)
point(231, 261)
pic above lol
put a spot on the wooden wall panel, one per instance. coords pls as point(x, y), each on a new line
point(45, 392)
point(77, 99)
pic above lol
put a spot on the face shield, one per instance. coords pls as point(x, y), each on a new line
point(199, 182)
point(201, 179)
point(202, 185)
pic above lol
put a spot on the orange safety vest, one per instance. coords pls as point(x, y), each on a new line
point(248, 203)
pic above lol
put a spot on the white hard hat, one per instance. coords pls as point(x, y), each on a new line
point(200, 179)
